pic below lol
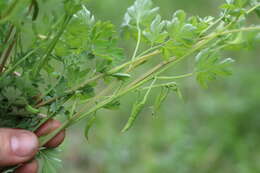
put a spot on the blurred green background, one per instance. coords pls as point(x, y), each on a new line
point(215, 130)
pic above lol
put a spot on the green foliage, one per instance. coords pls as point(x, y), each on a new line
point(59, 60)
point(209, 66)
point(48, 160)
point(160, 99)
point(90, 123)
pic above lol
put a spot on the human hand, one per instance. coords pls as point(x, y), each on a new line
point(20, 146)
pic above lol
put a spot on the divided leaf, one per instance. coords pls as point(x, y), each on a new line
point(156, 32)
point(140, 13)
point(49, 160)
point(209, 66)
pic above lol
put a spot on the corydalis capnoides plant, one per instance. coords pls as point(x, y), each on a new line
point(58, 60)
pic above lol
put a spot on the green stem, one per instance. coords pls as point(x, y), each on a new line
point(99, 76)
point(53, 87)
point(9, 11)
point(7, 53)
point(52, 45)
point(43, 121)
point(155, 71)
point(160, 85)
point(145, 57)
point(12, 69)
point(212, 25)
point(160, 68)
point(253, 8)
point(174, 77)
point(45, 139)
point(138, 42)
point(253, 28)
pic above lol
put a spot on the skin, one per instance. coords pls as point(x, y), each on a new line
point(11, 153)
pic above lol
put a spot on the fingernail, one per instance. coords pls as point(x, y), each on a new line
point(24, 144)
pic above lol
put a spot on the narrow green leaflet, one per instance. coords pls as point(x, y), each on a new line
point(90, 123)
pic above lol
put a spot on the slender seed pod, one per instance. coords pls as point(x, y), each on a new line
point(160, 99)
point(137, 108)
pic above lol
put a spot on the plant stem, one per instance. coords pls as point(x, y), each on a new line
point(174, 77)
point(160, 85)
point(52, 45)
point(252, 28)
point(99, 76)
point(138, 42)
point(9, 11)
point(6, 55)
point(212, 25)
point(45, 139)
point(155, 71)
point(12, 69)
point(253, 8)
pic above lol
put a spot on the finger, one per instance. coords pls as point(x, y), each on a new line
point(47, 128)
point(31, 167)
point(17, 146)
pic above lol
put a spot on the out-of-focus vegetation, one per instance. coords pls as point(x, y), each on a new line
point(215, 130)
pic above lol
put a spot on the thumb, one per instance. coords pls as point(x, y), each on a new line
point(16, 146)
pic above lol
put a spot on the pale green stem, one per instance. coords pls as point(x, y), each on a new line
point(138, 42)
point(12, 69)
point(174, 77)
point(253, 8)
point(169, 84)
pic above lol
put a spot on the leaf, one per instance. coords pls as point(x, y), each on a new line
point(157, 32)
point(12, 94)
point(49, 161)
point(89, 124)
point(176, 24)
point(76, 39)
point(104, 43)
point(209, 66)
point(182, 34)
point(140, 13)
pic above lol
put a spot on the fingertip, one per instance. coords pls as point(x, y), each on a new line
point(47, 128)
point(56, 141)
point(31, 167)
point(17, 146)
